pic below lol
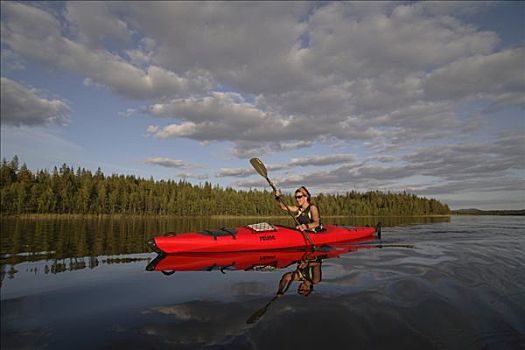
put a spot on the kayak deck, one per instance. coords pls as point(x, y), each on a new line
point(255, 237)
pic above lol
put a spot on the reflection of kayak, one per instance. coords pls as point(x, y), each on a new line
point(253, 260)
point(255, 237)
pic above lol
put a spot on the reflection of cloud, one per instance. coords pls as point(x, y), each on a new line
point(181, 312)
point(244, 289)
point(333, 321)
point(197, 324)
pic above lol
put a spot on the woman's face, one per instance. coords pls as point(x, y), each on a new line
point(300, 197)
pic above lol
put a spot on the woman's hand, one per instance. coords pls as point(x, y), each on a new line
point(278, 194)
point(302, 227)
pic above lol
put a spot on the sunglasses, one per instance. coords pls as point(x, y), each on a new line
point(298, 197)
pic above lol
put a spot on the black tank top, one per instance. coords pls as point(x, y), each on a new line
point(304, 217)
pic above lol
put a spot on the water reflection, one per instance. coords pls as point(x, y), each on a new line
point(307, 272)
point(252, 260)
point(467, 276)
point(71, 244)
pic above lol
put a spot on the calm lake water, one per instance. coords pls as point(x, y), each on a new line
point(430, 283)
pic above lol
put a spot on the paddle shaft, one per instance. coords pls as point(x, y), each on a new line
point(281, 201)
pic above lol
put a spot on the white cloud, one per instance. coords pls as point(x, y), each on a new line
point(23, 106)
point(29, 22)
point(220, 117)
point(356, 72)
point(323, 160)
point(248, 149)
point(315, 160)
point(242, 44)
point(128, 113)
point(94, 23)
point(41, 39)
point(193, 176)
point(498, 77)
point(454, 8)
point(238, 172)
point(492, 160)
point(341, 70)
point(166, 162)
point(11, 61)
point(404, 39)
point(228, 117)
point(264, 78)
point(224, 107)
point(441, 169)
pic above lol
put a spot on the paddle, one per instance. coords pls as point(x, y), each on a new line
point(258, 165)
point(282, 289)
point(259, 313)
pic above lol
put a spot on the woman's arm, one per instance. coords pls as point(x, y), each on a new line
point(284, 283)
point(316, 273)
point(291, 208)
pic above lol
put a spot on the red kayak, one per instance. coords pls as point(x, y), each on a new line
point(255, 237)
point(248, 261)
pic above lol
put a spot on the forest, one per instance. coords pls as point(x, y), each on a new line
point(66, 191)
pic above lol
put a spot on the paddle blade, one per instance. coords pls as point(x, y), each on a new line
point(256, 315)
point(259, 313)
point(259, 166)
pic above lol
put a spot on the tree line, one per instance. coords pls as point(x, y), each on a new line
point(508, 212)
point(66, 191)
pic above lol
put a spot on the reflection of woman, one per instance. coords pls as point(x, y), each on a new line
point(307, 272)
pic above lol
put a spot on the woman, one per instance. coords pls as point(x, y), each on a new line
point(307, 273)
point(307, 214)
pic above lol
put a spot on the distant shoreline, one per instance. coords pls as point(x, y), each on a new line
point(215, 217)
point(255, 217)
point(479, 212)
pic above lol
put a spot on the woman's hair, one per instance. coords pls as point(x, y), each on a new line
point(305, 192)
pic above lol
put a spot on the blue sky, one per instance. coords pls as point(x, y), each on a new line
point(424, 97)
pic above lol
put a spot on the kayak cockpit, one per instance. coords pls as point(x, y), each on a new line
point(220, 232)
